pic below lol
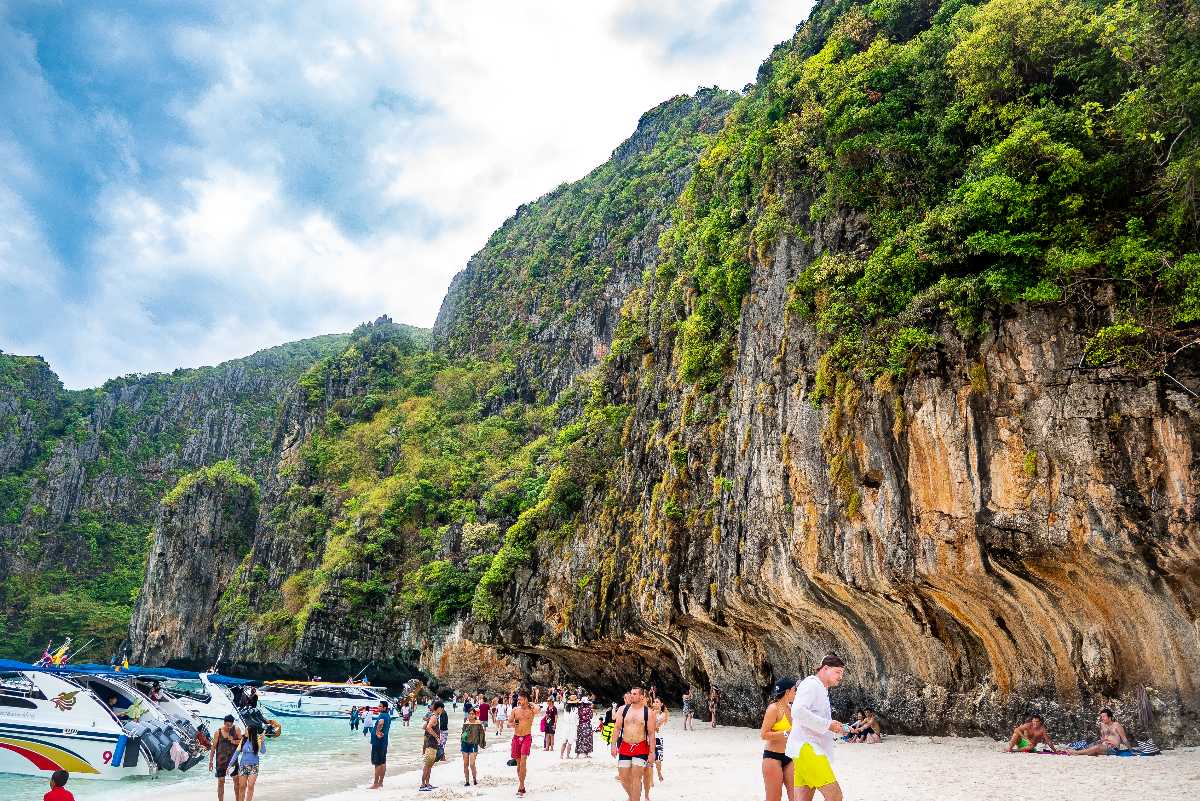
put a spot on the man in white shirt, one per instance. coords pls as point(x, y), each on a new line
point(810, 743)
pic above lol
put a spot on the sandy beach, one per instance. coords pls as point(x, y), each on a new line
point(723, 763)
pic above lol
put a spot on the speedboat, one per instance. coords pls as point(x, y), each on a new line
point(206, 699)
point(319, 699)
point(51, 722)
point(176, 739)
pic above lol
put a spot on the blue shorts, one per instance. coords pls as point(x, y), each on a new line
point(468, 748)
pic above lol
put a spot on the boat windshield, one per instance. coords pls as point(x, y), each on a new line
point(357, 693)
point(16, 690)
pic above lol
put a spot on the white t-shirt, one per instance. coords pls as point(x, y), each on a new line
point(502, 712)
point(811, 716)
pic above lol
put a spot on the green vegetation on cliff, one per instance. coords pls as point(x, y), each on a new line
point(557, 257)
point(999, 152)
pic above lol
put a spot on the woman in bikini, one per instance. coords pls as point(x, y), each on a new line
point(777, 722)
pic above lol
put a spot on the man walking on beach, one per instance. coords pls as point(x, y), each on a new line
point(429, 748)
point(521, 721)
point(379, 743)
point(632, 745)
point(810, 743)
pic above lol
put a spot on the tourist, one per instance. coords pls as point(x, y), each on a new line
point(852, 729)
point(713, 696)
point(810, 742)
point(58, 787)
point(632, 735)
point(869, 730)
point(688, 712)
point(502, 712)
point(247, 759)
point(1113, 739)
point(406, 712)
point(548, 724)
point(219, 756)
point(368, 717)
point(156, 692)
point(380, 730)
point(1027, 736)
point(661, 718)
point(583, 728)
point(432, 736)
point(474, 737)
point(776, 724)
point(354, 718)
point(569, 726)
point(522, 741)
point(484, 709)
point(444, 727)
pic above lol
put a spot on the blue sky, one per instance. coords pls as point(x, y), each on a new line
point(182, 183)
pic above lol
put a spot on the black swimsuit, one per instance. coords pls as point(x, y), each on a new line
point(784, 759)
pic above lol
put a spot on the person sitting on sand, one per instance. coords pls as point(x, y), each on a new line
point(854, 726)
point(868, 730)
point(1025, 738)
point(1113, 738)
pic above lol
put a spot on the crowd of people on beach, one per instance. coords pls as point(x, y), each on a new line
point(798, 731)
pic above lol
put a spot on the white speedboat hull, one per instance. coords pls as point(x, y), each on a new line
point(69, 729)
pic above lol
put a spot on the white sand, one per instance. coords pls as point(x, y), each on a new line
point(725, 764)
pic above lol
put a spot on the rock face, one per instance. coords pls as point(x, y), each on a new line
point(204, 527)
point(81, 474)
point(1026, 535)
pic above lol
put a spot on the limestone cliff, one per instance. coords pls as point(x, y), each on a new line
point(203, 528)
point(854, 414)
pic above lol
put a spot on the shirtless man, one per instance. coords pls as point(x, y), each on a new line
point(633, 738)
point(521, 719)
point(1025, 738)
point(1112, 738)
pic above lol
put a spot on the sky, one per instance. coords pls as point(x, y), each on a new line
point(183, 183)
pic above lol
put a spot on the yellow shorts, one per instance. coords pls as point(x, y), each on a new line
point(812, 769)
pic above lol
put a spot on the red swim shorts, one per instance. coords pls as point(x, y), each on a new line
point(521, 746)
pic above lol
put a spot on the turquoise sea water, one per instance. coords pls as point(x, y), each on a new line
point(307, 744)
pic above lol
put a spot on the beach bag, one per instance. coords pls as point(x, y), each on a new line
point(543, 725)
point(1146, 748)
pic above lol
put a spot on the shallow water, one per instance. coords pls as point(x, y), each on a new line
point(307, 750)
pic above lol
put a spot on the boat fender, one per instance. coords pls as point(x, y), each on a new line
point(202, 737)
point(159, 744)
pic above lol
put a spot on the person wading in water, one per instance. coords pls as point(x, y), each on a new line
point(633, 733)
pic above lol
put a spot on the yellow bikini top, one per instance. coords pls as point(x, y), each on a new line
point(783, 724)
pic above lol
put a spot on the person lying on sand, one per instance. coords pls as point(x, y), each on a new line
point(1025, 738)
point(1113, 738)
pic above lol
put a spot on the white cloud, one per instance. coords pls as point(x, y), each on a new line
point(343, 163)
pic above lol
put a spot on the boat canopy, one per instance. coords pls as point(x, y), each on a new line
point(135, 671)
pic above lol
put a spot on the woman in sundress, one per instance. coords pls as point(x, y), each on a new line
point(583, 737)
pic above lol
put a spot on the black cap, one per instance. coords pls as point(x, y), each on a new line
point(229, 718)
point(782, 686)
